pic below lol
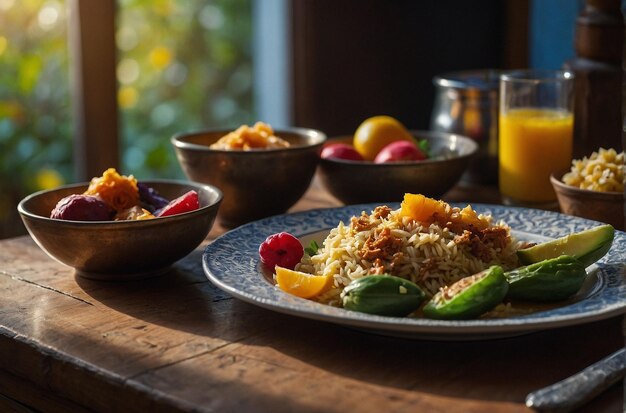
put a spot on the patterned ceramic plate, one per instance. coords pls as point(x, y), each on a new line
point(231, 262)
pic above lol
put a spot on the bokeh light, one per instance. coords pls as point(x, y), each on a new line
point(176, 74)
point(195, 71)
point(126, 38)
point(161, 57)
point(127, 97)
point(163, 115)
point(3, 44)
point(128, 71)
point(48, 179)
point(211, 17)
point(6, 4)
point(48, 15)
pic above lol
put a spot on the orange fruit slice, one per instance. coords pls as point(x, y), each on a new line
point(423, 209)
point(377, 132)
point(301, 284)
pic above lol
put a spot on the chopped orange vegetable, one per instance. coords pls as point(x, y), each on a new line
point(424, 209)
point(119, 191)
point(469, 217)
point(301, 284)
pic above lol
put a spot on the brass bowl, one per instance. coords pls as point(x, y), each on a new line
point(605, 207)
point(354, 182)
point(119, 250)
point(256, 183)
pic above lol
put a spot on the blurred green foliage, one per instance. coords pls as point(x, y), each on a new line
point(182, 65)
point(35, 113)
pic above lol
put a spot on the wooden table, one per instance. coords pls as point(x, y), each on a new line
point(177, 343)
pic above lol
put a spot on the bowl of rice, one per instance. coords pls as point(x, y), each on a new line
point(593, 187)
point(444, 246)
point(261, 171)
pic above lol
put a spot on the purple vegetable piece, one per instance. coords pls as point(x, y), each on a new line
point(150, 198)
point(77, 207)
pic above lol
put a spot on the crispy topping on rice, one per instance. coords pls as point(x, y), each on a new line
point(425, 241)
point(380, 245)
point(484, 243)
point(364, 223)
point(361, 223)
point(381, 212)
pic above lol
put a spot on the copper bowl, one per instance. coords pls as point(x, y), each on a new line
point(354, 182)
point(119, 250)
point(255, 183)
point(605, 207)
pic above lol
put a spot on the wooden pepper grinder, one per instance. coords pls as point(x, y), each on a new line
point(598, 43)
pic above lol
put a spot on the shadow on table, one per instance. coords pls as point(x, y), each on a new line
point(181, 298)
point(471, 369)
point(184, 300)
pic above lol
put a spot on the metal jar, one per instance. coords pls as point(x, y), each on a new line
point(466, 103)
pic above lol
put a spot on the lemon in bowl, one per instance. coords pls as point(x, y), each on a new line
point(374, 133)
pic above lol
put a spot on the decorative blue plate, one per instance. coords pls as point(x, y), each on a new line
point(232, 263)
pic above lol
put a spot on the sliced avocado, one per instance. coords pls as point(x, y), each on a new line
point(587, 246)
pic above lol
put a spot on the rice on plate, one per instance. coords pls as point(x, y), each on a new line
point(425, 241)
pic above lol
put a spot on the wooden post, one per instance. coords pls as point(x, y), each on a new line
point(597, 110)
point(94, 86)
point(624, 116)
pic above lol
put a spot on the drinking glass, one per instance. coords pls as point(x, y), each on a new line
point(536, 134)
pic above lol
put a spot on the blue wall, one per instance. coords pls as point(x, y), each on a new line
point(552, 26)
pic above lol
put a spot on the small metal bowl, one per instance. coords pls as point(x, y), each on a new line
point(605, 207)
point(354, 182)
point(120, 250)
point(255, 183)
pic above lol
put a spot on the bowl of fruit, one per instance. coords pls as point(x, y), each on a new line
point(261, 171)
point(117, 228)
point(383, 160)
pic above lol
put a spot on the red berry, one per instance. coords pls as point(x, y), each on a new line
point(185, 203)
point(282, 249)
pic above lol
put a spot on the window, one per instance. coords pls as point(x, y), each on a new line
point(181, 65)
point(35, 122)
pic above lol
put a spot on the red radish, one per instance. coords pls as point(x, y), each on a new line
point(185, 203)
point(399, 151)
point(282, 249)
point(340, 151)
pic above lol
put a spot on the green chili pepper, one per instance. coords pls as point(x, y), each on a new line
point(548, 280)
point(382, 295)
point(469, 297)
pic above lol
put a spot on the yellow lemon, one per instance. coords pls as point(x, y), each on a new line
point(377, 132)
point(301, 284)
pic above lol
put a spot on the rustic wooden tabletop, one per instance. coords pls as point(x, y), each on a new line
point(177, 343)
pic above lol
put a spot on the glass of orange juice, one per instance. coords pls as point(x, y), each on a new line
point(536, 124)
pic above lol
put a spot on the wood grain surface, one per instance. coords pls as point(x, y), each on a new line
point(177, 343)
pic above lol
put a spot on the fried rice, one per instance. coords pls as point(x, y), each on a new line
point(430, 254)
